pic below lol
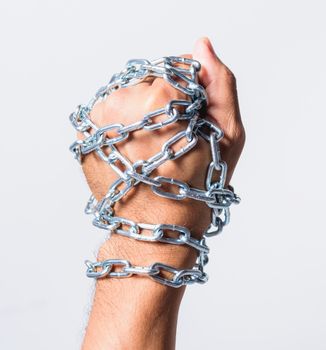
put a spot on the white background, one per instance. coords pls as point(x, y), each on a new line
point(267, 283)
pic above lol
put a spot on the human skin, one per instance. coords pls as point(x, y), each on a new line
point(138, 313)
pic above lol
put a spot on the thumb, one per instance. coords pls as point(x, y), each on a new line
point(210, 64)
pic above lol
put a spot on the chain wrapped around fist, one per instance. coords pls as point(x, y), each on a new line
point(177, 127)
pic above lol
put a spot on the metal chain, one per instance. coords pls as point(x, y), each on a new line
point(123, 268)
point(130, 174)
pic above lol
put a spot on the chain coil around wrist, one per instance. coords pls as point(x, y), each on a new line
point(215, 195)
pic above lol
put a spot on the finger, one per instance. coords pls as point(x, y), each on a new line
point(219, 82)
point(211, 65)
point(214, 75)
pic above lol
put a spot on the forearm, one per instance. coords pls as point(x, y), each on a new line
point(136, 312)
point(132, 313)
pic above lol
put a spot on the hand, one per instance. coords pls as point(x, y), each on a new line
point(129, 105)
point(154, 307)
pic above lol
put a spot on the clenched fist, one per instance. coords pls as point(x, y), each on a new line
point(129, 105)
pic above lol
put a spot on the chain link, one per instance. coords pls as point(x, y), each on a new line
point(159, 272)
point(130, 174)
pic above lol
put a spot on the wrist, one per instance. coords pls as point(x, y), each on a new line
point(135, 312)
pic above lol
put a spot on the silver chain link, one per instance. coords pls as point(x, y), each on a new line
point(130, 174)
point(123, 268)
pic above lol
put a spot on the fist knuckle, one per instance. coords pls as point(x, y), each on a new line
point(238, 136)
point(160, 94)
point(234, 130)
point(97, 112)
point(241, 136)
point(117, 97)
